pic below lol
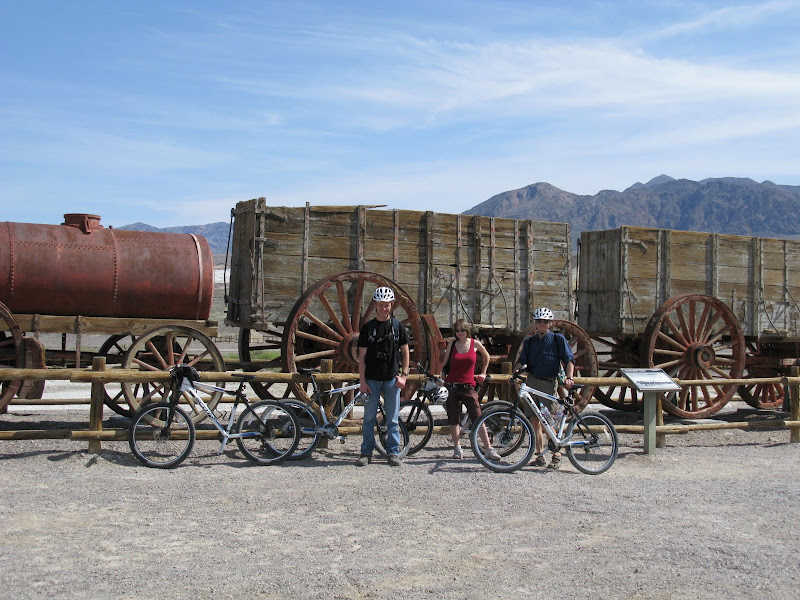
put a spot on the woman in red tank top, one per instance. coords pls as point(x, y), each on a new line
point(461, 357)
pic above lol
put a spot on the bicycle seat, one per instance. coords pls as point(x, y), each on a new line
point(309, 370)
point(244, 376)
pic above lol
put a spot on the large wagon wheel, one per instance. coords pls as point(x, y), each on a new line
point(12, 354)
point(162, 348)
point(760, 363)
point(695, 337)
point(613, 354)
point(582, 349)
point(250, 355)
point(325, 321)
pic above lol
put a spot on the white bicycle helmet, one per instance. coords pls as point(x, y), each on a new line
point(440, 395)
point(543, 313)
point(383, 294)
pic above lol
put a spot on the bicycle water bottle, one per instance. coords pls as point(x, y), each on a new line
point(559, 414)
point(546, 414)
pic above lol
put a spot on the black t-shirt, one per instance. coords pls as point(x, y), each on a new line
point(383, 342)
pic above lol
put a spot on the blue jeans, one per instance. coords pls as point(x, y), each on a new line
point(391, 406)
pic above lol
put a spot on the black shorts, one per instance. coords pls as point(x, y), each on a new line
point(468, 396)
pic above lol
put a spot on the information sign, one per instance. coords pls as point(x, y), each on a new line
point(650, 380)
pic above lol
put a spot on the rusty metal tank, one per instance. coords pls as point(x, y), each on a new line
point(83, 268)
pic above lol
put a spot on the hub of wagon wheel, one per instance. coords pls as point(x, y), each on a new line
point(347, 352)
point(700, 356)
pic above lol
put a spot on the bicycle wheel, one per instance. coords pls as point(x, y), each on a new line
point(380, 435)
point(156, 444)
point(309, 438)
point(512, 437)
point(271, 432)
point(502, 450)
point(417, 418)
point(598, 443)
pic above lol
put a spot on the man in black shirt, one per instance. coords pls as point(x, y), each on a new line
point(382, 349)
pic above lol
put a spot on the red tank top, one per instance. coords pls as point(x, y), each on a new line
point(462, 366)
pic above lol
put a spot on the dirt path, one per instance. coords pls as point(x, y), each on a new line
point(713, 515)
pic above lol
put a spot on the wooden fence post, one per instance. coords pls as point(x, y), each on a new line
point(96, 406)
point(508, 391)
point(794, 407)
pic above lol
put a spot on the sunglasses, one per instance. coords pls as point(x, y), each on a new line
point(541, 320)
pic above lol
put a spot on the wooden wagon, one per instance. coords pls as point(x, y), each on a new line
point(301, 280)
point(699, 305)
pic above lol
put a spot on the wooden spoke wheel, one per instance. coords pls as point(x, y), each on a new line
point(34, 359)
point(260, 351)
point(325, 322)
point(695, 337)
point(582, 349)
point(760, 362)
point(161, 349)
point(614, 354)
point(12, 354)
point(114, 350)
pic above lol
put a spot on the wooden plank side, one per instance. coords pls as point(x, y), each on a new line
point(240, 285)
point(447, 263)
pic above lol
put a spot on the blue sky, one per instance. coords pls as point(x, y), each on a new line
point(170, 112)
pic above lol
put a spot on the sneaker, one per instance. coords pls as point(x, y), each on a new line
point(492, 455)
point(457, 454)
point(555, 463)
point(394, 460)
point(363, 460)
point(539, 462)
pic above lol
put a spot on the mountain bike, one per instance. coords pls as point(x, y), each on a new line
point(316, 424)
point(162, 434)
point(590, 440)
point(416, 415)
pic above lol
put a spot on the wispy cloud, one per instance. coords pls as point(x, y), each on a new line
point(731, 17)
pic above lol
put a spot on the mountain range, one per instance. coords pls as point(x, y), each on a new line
point(720, 205)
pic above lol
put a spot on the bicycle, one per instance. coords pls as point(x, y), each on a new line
point(590, 440)
point(416, 415)
point(315, 424)
point(162, 434)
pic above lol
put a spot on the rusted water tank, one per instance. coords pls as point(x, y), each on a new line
point(83, 268)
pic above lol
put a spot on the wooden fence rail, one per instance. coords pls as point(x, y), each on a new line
point(99, 375)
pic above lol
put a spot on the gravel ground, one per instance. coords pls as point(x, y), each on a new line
point(712, 515)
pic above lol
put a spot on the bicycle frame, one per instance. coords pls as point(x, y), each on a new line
point(189, 387)
point(525, 394)
point(326, 423)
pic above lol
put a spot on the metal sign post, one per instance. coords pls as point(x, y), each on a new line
point(650, 382)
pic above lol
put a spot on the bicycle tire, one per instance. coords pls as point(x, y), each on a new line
point(309, 437)
point(380, 435)
point(598, 456)
point(502, 450)
point(155, 445)
point(513, 431)
point(275, 429)
point(417, 417)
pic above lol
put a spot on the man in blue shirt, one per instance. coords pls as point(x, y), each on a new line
point(545, 353)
